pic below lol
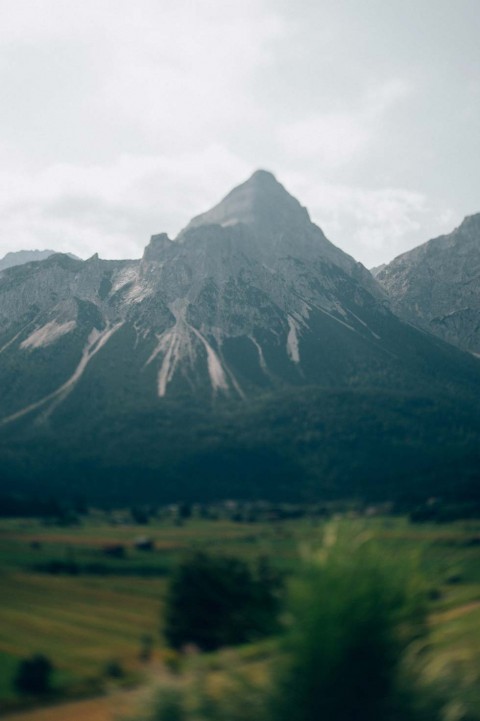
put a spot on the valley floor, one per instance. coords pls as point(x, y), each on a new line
point(66, 595)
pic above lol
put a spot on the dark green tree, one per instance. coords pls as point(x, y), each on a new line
point(216, 601)
point(34, 675)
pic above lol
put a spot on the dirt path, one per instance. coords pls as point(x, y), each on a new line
point(105, 708)
point(454, 613)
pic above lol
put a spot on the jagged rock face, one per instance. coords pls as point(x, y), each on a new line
point(377, 269)
point(261, 203)
point(437, 285)
point(250, 297)
point(278, 227)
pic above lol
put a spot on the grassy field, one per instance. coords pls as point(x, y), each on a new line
point(84, 620)
point(99, 610)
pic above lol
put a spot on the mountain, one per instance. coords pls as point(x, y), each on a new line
point(25, 256)
point(377, 269)
point(437, 285)
point(247, 356)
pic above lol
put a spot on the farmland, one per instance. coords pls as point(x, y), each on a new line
point(68, 594)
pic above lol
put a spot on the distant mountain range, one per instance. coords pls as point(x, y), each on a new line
point(247, 357)
point(437, 285)
point(26, 256)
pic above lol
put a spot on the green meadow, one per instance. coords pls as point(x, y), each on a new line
point(65, 594)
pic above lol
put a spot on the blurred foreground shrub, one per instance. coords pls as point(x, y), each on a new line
point(357, 631)
point(352, 647)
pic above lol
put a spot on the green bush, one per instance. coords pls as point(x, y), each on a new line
point(113, 669)
point(34, 676)
point(217, 601)
point(168, 706)
point(356, 617)
point(167, 703)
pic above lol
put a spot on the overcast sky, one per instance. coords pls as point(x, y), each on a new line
point(123, 118)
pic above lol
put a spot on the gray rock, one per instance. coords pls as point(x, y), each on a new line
point(25, 256)
point(437, 285)
point(251, 297)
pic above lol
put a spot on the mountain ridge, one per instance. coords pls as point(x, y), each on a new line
point(437, 285)
point(20, 257)
point(161, 361)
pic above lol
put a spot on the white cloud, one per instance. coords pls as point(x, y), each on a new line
point(184, 82)
point(333, 139)
point(102, 77)
point(373, 225)
point(121, 119)
point(111, 208)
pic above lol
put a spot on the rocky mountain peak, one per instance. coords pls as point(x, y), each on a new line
point(156, 247)
point(437, 285)
point(471, 225)
point(258, 221)
point(261, 202)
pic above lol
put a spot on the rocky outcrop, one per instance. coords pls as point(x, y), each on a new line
point(437, 285)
